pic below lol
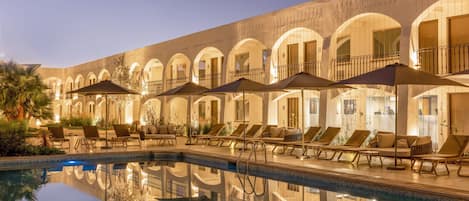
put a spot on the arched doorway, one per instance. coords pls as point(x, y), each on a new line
point(247, 59)
point(364, 43)
point(207, 67)
point(153, 77)
point(177, 71)
point(297, 50)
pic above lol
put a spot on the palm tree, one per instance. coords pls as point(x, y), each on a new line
point(22, 93)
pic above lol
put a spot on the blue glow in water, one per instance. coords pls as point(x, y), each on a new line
point(72, 163)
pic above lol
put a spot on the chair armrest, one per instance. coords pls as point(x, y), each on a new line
point(421, 149)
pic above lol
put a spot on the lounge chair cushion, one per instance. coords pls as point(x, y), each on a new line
point(402, 143)
point(422, 140)
point(292, 135)
point(153, 130)
point(163, 130)
point(385, 140)
point(373, 143)
point(277, 132)
point(171, 130)
point(410, 139)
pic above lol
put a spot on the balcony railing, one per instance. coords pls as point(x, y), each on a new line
point(444, 60)
point(287, 70)
point(344, 68)
point(154, 87)
point(210, 80)
point(175, 82)
point(256, 74)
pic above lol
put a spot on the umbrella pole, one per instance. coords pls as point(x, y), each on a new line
point(303, 150)
point(106, 122)
point(244, 122)
point(189, 120)
point(395, 166)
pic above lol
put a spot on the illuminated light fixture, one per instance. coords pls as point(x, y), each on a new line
point(38, 122)
point(57, 118)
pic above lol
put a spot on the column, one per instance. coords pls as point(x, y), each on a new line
point(324, 96)
point(407, 118)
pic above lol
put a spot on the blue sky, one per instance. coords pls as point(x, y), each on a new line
point(60, 33)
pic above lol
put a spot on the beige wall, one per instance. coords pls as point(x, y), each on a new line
point(323, 21)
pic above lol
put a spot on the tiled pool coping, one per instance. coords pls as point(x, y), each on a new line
point(320, 178)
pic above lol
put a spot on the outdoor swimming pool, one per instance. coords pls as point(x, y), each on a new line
point(178, 177)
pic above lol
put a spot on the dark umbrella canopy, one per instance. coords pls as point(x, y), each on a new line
point(186, 89)
point(103, 87)
point(395, 75)
point(399, 74)
point(305, 81)
point(240, 85)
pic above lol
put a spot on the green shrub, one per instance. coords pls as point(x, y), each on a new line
point(12, 137)
point(30, 150)
point(12, 141)
point(76, 122)
point(206, 128)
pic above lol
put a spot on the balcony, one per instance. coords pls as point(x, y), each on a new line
point(444, 60)
point(344, 68)
point(287, 70)
point(154, 87)
point(210, 80)
point(175, 82)
point(256, 74)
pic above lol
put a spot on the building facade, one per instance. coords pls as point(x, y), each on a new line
point(333, 39)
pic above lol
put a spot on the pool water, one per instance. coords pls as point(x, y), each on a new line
point(150, 181)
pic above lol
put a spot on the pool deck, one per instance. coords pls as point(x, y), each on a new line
point(452, 185)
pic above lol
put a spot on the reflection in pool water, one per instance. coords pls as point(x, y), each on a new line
point(151, 181)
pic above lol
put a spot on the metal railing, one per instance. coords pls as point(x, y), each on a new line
point(444, 60)
point(175, 82)
point(347, 67)
point(155, 87)
point(256, 74)
point(287, 70)
point(210, 80)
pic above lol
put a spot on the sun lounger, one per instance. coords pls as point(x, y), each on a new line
point(215, 130)
point(123, 135)
point(451, 151)
point(58, 136)
point(250, 133)
point(355, 141)
point(309, 136)
point(324, 139)
point(236, 133)
point(91, 136)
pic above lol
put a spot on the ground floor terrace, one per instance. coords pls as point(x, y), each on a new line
point(281, 166)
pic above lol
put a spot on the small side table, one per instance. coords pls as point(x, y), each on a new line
point(435, 161)
point(369, 154)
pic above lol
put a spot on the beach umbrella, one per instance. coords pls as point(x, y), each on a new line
point(303, 81)
point(242, 85)
point(188, 89)
point(105, 88)
point(396, 75)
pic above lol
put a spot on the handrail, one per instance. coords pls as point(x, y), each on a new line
point(246, 179)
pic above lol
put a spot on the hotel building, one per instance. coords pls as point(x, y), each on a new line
point(333, 39)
